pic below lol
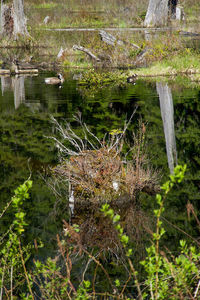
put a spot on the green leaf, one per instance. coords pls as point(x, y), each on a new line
point(117, 282)
point(116, 218)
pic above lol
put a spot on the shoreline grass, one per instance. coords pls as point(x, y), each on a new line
point(187, 63)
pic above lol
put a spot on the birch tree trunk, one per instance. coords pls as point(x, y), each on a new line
point(167, 113)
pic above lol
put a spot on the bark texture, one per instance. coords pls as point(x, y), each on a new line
point(19, 18)
point(6, 19)
point(13, 20)
point(157, 13)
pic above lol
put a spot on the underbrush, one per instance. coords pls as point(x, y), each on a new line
point(108, 248)
point(164, 275)
point(163, 55)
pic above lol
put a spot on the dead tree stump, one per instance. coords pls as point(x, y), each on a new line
point(7, 23)
point(13, 20)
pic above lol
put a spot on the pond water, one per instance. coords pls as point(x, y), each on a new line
point(170, 112)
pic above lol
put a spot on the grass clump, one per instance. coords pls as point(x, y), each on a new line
point(98, 170)
point(98, 79)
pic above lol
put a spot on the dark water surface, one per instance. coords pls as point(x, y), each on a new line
point(170, 111)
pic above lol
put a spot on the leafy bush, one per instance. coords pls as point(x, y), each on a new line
point(166, 276)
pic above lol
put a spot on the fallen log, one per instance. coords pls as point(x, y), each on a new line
point(109, 38)
point(3, 71)
point(187, 33)
point(87, 51)
point(112, 40)
point(28, 71)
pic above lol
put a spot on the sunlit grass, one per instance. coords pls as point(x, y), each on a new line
point(187, 62)
point(80, 64)
point(45, 5)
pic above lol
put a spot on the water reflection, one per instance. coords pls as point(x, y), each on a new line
point(19, 91)
point(69, 94)
point(6, 84)
point(25, 105)
point(16, 85)
point(167, 113)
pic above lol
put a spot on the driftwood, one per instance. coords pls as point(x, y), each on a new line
point(28, 71)
point(109, 38)
point(87, 51)
point(22, 67)
point(187, 33)
point(112, 40)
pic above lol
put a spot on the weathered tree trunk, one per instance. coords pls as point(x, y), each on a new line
point(157, 13)
point(13, 20)
point(167, 113)
point(6, 19)
point(19, 18)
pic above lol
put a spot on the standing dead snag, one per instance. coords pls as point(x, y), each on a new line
point(160, 11)
point(19, 19)
point(157, 13)
point(6, 19)
point(13, 20)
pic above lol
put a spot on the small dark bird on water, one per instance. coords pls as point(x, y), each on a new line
point(132, 79)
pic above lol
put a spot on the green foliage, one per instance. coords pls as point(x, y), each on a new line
point(49, 280)
point(115, 218)
point(21, 194)
point(12, 255)
point(167, 276)
point(82, 292)
point(170, 276)
point(98, 79)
